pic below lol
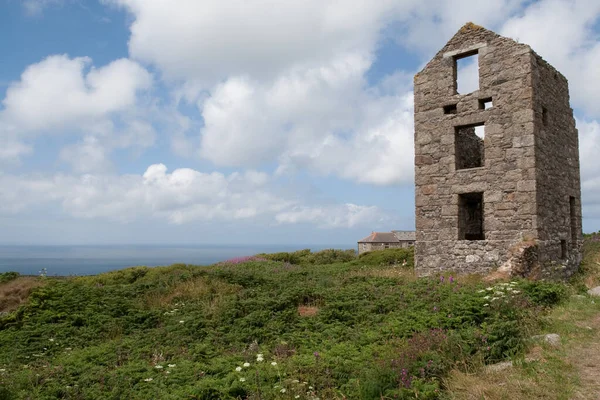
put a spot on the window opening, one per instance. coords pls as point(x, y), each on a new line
point(485, 104)
point(466, 67)
point(563, 249)
point(450, 109)
point(469, 146)
point(470, 216)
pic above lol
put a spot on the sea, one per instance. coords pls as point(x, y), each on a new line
point(92, 260)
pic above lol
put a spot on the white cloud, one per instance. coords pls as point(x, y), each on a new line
point(298, 99)
point(322, 119)
point(11, 148)
point(563, 33)
point(339, 216)
point(179, 197)
point(432, 23)
point(63, 95)
point(87, 156)
point(58, 92)
point(214, 39)
point(589, 148)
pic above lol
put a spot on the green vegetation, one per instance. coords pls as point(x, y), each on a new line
point(304, 325)
point(567, 371)
point(8, 276)
point(304, 257)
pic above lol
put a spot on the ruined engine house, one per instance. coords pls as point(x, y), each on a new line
point(497, 169)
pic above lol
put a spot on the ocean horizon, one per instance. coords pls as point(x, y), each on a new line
point(66, 260)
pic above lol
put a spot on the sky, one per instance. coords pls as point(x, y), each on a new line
point(242, 121)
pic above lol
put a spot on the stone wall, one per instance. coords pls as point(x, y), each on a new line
point(364, 247)
point(509, 178)
point(557, 170)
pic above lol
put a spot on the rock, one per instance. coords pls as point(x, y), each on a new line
point(499, 366)
point(552, 339)
point(595, 291)
point(522, 261)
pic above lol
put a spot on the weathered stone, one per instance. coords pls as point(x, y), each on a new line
point(501, 366)
point(516, 192)
point(595, 291)
point(552, 339)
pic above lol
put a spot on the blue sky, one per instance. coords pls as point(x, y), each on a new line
point(147, 121)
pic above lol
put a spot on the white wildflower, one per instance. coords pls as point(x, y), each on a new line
point(274, 363)
point(486, 297)
point(181, 322)
point(238, 369)
point(489, 288)
point(283, 390)
point(168, 372)
point(297, 396)
point(2, 370)
point(158, 367)
point(295, 381)
point(516, 291)
point(246, 364)
point(259, 357)
point(242, 379)
point(172, 365)
point(148, 380)
point(481, 291)
point(486, 305)
point(51, 339)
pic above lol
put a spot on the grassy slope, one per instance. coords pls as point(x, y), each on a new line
point(569, 371)
point(359, 329)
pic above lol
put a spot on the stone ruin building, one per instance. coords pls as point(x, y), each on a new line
point(496, 170)
point(386, 240)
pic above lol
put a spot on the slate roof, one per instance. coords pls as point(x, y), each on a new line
point(389, 237)
point(380, 237)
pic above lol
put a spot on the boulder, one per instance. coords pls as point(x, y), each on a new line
point(552, 339)
point(595, 291)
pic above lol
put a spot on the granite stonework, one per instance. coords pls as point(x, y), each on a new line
point(528, 176)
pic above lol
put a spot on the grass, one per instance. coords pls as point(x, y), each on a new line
point(569, 371)
point(290, 325)
point(14, 290)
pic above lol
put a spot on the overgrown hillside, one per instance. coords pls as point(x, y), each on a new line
point(298, 325)
point(569, 369)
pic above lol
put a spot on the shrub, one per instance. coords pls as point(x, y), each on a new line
point(116, 335)
point(544, 293)
point(330, 256)
point(403, 257)
point(8, 276)
point(323, 257)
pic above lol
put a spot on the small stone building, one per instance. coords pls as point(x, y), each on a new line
point(386, 240)
point(497, 169)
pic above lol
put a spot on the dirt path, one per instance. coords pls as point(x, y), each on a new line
point(586, 359)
